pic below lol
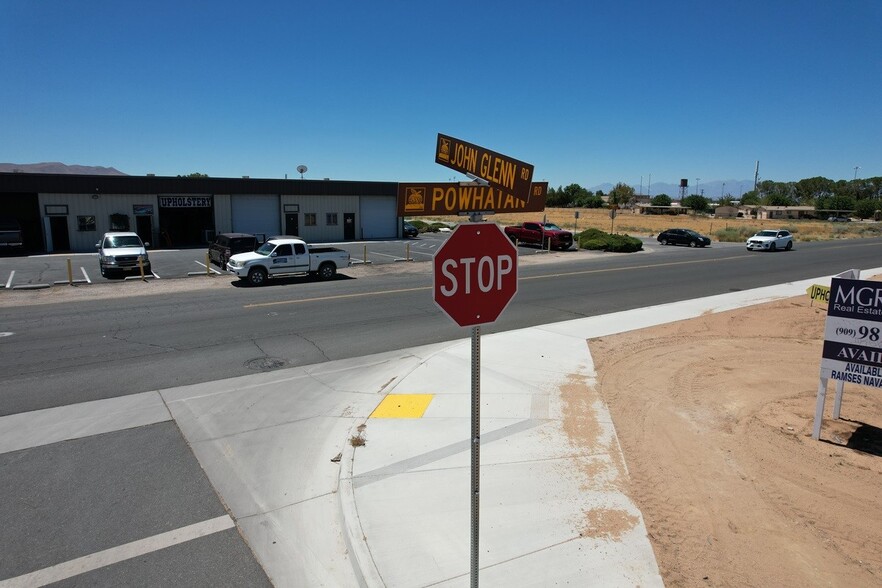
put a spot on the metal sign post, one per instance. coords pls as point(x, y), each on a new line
point(476, 448)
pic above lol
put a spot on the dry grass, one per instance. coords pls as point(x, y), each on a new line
point(647, 225)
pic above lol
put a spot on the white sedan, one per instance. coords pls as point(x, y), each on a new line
point(770, 240)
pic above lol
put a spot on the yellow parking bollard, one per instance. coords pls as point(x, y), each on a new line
point(365, 254)
point(141, 266)
point(69, 273)
point(207, 265)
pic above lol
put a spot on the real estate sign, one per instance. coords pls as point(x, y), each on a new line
point(853, 333)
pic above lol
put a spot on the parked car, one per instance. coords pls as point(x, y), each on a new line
point(409, 230)
point(838, 219)
point(120, 252)
point(683, 237)
point(285, 257)
point(227, 245)
point(771, 240)
point(542, 234)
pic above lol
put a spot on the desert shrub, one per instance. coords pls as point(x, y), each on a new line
point(597, 240)
point(424, 227)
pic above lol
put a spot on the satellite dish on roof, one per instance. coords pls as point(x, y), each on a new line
point(302, 170)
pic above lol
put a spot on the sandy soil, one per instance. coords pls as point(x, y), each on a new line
point(714, 416)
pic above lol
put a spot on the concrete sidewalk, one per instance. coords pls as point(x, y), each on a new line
point(329, 490)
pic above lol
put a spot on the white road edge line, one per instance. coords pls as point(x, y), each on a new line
point(114, 555)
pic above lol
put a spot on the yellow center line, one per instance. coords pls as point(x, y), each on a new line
point(337, 297)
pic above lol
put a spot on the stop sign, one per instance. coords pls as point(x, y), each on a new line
point(475, 274)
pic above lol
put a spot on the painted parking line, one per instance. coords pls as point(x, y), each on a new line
point(402, 406)
point(114, 555)
point(9, 281)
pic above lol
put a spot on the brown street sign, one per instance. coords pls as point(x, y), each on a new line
point(447, 198)
point(500, 171)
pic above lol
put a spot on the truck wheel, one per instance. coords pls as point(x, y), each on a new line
point(257, 276)
point(326, 271)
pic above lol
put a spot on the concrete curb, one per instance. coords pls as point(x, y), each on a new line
point(362, 561)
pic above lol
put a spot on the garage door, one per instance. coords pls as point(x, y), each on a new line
point(379, 217)
point(257, 214)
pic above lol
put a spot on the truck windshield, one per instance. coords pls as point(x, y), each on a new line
point(266, 248)
point(123, 241)
point(551, 227)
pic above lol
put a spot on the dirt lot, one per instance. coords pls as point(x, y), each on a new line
point(715, 416)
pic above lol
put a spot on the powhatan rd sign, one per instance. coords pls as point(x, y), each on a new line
point(443, 198)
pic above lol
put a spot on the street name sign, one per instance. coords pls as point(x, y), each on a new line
point(446, 198)
point(508, 175)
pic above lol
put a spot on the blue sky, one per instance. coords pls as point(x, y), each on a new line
point(588, 92)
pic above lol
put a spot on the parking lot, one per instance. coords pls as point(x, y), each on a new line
point(41, 271)
point(47, 270)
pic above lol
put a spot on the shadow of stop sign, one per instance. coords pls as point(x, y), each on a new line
point(475, 274)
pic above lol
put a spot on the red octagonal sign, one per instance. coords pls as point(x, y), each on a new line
point(475, 274)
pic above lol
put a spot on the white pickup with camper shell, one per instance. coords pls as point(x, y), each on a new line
point(285, 257)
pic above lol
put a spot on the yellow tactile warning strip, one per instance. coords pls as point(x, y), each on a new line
point(402, 406)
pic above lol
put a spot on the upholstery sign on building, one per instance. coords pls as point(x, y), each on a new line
point(185, 201)
point(853, 333)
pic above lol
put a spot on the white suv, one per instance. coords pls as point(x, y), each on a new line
point(119, 252)
point(770, 240)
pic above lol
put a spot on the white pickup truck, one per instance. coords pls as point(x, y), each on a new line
point(286, 256)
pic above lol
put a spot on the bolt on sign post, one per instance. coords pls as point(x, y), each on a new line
point(475, 276)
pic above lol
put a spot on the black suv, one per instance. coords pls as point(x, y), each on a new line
point(228, 244)
point(683, 237)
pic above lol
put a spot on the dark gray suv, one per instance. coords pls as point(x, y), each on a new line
point(226, 245)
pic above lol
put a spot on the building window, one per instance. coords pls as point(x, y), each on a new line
point(86, 223)
point(309, 219)
point(331, 219)
point(119, 222)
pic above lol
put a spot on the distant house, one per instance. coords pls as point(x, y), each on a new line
point(727, 212)
point(786, 212)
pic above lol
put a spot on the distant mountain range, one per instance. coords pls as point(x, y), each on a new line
point(55, 167)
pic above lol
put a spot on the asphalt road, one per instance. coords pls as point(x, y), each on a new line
point(60, 354)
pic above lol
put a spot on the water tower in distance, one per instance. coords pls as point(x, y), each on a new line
point(684, 186)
